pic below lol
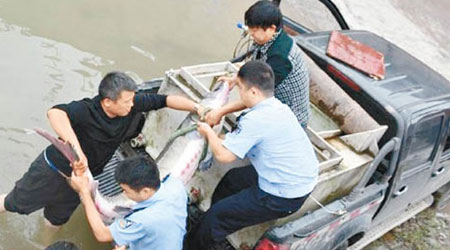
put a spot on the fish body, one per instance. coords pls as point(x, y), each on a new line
point(109, 208)
point(188, 151)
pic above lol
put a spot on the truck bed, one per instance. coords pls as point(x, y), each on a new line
point(340, 166)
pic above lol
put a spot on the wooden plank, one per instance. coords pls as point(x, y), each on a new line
point(356, 54)
point(193, 74)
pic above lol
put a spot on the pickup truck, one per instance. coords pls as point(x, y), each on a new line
point(361, 194)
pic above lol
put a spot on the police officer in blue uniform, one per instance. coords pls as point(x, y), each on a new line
point(284, 168)
point(157, 221)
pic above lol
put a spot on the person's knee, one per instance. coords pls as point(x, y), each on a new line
point(59, 214)
point(241, 177)
point(225, 181)
point(51, 226)
point(55, 222)
point(230, 182)
point(232, 174)
point(55, 219)
point(9, 203)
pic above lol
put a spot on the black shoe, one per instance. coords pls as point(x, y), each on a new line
point(193, 220)
point(194, 216)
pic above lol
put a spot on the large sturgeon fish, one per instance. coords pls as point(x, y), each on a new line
point(109, 208)
point(184, 153)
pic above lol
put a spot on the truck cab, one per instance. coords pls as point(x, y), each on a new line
point(412, 165)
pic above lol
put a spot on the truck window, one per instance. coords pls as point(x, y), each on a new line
point(310, 13)
point(423, 141)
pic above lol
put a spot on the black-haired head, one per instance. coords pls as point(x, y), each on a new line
point(263, 14)
point(114, 83)
point(138, 172)
point(258, 74)
point(62, 245)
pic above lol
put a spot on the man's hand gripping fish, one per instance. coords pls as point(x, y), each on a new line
point(107, 209)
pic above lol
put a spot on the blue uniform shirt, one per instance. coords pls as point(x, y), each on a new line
point(157, 223)
point(278, 147)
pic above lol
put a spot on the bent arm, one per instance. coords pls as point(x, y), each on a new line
point(101, 232)
point(221, 153)
point(214, 117)
point(231, 107)
point(60, 122)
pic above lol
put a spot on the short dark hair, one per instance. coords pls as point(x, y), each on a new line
point(138, 172)
point(114, 83)
point(264, 14)
point(258, 74)
point(62, 245)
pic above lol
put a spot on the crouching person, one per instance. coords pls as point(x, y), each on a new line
point(284, 168)
point(157, 221)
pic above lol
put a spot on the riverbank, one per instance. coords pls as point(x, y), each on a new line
point(430, 229)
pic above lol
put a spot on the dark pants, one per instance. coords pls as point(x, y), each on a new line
point(237, 203)
point(43, 187)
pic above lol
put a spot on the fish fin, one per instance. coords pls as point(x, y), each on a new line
point(205, 164)
point(206, 161)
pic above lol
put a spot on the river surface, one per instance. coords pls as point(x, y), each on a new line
point(56, 51)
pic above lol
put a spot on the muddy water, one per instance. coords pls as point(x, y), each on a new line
point(56, 51)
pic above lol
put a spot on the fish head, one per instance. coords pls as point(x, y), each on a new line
point(218, 96)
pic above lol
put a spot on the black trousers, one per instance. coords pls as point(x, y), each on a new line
point(43, 187)
point(237, 203)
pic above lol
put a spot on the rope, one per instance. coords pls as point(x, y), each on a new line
point(238, 48)
point(338, 212)
point(182, 131)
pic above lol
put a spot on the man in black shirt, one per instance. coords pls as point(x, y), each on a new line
point(95, 127)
